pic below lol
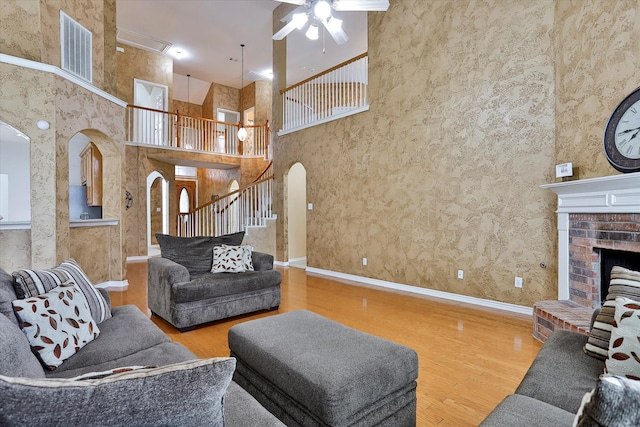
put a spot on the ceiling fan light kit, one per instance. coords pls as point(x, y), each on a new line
point(320, 11)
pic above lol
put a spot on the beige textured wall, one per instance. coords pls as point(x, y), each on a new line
point(20, 33)
point(141, 64)
point(187, 108)
point(443, 172)
point(597, 63)
point(263, 239)
point(15, 250)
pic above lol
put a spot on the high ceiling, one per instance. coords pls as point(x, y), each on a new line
point(211, 31)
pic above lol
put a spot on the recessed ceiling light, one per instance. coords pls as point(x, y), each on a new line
point(178, 52)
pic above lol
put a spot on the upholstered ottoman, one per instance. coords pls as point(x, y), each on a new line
point(309, 370)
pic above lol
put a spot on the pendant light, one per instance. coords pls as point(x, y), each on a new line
point(242, 132)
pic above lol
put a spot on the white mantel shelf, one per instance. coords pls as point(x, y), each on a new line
point(609, 194)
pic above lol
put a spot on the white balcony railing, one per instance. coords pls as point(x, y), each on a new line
point(335, 93)
point(147, 126)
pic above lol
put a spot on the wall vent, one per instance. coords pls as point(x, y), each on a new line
point(76, 47)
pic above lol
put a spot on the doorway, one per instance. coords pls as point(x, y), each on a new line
point(297, 216)
point(157, 209)
point(150, 127)
point(227, 133)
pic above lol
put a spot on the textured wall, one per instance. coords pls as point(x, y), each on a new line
point(443, 172)
point(141, 64)
point(20, 31)
point(187, 108)
point(16, 249)
point(597, 63)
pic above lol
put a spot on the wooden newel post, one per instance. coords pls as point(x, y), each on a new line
point(267, 140)
point(177, 127)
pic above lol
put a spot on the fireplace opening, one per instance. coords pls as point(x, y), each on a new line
point(610, 258)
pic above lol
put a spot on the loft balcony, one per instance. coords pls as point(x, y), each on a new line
point(162, 129)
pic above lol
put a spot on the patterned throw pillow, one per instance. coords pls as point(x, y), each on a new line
point(230, 259)
point(624, 348)
point(615, 401)
point(57, 323)
point(104, 374)
point(624, 283)
point(30, 283)
point(228, 254)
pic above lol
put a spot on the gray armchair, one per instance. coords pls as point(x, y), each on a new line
point(188, 298)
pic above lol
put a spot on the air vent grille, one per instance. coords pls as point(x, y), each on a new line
point(76, 42)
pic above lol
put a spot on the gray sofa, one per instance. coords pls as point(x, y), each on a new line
point(184, 292)
point(182, 396)
point(551, 392)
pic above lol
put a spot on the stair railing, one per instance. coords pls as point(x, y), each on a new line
point(230, 213)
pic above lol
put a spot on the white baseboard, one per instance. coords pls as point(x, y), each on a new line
point(114, 285)
point(281, 263)
point(520, 309)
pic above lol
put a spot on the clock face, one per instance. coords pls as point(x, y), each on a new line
point(622, 135)
point(627, 136)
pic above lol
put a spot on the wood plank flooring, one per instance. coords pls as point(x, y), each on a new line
point(470, 358)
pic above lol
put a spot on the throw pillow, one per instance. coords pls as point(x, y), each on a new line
point(624, 283)
point(30, 283)
point(104, 374)
point(228, 259)
point(184, 394)
point(624, 348)
point(57, 323)
point(615, 401)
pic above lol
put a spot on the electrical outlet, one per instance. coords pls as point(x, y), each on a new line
point(518, 282)
point(364, 261)
point(460, 274)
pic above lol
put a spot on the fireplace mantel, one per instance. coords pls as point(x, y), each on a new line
point(610, 194)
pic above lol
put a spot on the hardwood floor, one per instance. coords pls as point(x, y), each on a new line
point(470, 358)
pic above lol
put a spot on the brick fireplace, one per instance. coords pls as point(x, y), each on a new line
point(593, 215)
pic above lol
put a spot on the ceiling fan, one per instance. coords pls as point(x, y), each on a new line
point(318, 12)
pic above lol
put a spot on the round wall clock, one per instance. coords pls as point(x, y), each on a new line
point(622, 135)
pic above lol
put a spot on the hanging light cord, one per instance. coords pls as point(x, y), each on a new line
point(242, 87)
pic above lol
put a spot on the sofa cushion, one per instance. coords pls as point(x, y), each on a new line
point(242, 409)
point(183, 394)
point(7, 295)
point(16, 359)
point(558, 379)
point(57, 323)
point(116, 340)
point(615, 401)
point(624, 283)
point(213, 285)
point(624, 347)
point(30, 283)
point(195, 253)
point(517, 410)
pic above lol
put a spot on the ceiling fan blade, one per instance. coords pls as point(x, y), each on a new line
point(361, 5)
point(284, 31)
point(334, 27)
point(292, 1)
point(297, 21)
point(289, 16)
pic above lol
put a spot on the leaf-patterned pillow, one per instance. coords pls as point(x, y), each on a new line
point(624, 347)
point(57, 323)
point(231, 259)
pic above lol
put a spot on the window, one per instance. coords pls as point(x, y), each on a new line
point(75, 47)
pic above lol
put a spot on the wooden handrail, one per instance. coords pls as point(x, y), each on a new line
point(263, 172)
point(349, 61)
point(238, 191)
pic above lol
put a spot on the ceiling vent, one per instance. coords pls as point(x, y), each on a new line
point(142, 41)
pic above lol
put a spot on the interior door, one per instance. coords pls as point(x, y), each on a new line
point(186, 192)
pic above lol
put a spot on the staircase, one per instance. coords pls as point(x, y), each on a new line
point(250, 206)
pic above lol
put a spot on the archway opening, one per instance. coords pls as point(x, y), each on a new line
point(157, 209)
point(297, 216)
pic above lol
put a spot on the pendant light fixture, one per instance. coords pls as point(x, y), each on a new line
point(242, 132)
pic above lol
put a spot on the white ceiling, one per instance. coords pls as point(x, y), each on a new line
point(211, 31)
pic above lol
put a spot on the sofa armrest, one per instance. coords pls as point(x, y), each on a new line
point(261, 261)
point(162, 273)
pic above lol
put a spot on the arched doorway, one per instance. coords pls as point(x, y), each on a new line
point(297, 216)
point(157, 209)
